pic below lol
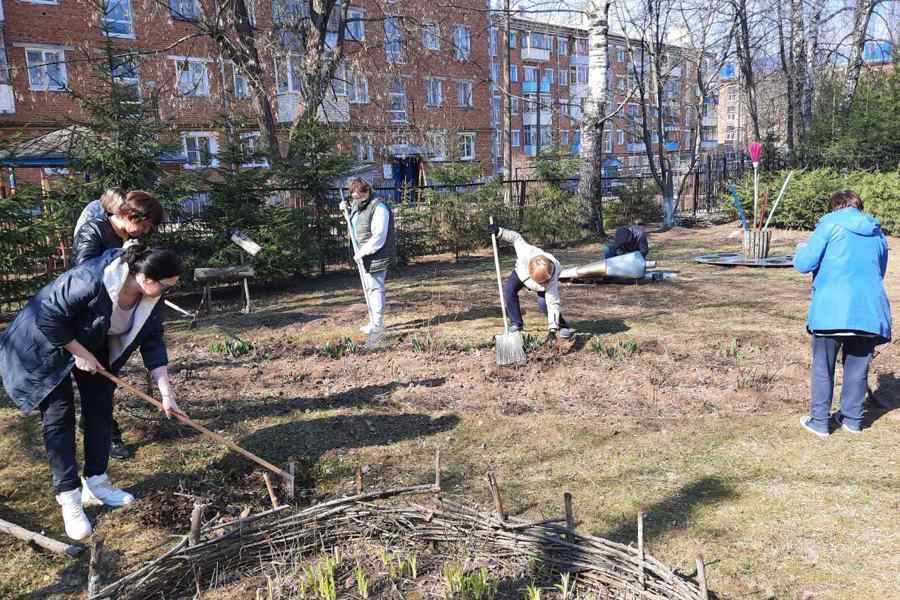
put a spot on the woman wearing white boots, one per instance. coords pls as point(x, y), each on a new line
point(91, 317)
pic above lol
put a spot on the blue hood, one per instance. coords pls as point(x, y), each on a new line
point(853, 220)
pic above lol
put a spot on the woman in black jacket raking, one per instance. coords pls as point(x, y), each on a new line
point(93, 316)
point(108, 223)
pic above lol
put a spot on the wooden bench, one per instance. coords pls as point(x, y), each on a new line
point(212, 275)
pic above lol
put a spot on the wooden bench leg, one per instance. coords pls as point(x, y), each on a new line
point(246, 309)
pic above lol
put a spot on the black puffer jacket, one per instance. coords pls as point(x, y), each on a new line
point(77, 305)
point(94, 238)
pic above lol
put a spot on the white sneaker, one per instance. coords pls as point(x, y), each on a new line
point(97, 490)
point(78, 526)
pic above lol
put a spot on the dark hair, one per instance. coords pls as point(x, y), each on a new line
point(139, 205)
point(845, 199)
point(154, 263)
point(358, 184)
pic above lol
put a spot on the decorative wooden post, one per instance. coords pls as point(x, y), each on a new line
point(196, 516)
point(570, 517)
point(498, 501)
point(701, 578)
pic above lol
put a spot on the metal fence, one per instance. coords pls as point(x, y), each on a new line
point(28, 266)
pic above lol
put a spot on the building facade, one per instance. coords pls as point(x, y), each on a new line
point(412, 73)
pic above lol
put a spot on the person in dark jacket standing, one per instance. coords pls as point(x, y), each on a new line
point(849, 311)
point(373, 224)
point(108, 223)
point(93, 316)
point(627, 240)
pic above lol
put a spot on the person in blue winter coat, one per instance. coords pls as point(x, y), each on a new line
point(93, 316)
point(847, 254)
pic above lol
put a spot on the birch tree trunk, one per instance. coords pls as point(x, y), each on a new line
point(591, 185)
point(861, 17)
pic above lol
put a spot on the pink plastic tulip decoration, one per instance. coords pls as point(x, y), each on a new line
point(755, 152)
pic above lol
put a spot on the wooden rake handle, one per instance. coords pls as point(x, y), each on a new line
point(207, 432)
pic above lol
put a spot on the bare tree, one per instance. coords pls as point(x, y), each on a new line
point(862, 15)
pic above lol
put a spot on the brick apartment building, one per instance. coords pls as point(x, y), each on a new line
point(413, 72)
point(548, 82)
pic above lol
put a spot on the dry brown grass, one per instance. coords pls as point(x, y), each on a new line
point(698, 426)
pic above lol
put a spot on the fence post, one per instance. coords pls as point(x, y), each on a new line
point(696, 187)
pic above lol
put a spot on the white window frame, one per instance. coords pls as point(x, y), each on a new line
point(181, 16)
point(394, 57)
point(495, 72)
point(432, 85)
point(564, 106)
point(291, 85)
point(363, 141)
point(469, 101)
point(130, 21)
point(492, 41)
point(355, 13)
point(236, 76)
point(513, 73)
point(621, 137)
point(398, 115)
point(357, 87)
point(187, 61)
point(245, 138)
point(563, 78)
point(465, 139)
point(563, 137)
point(436, 140)
point(513, 35)
point(462, 42)
point(563, 45)
point(516, 138)
point(431, 36)
point(514, 104)
point(608, 141)
point(212, 144)
point(60, 61)
point(530, 73)
point(620, 54)
point(548, 76)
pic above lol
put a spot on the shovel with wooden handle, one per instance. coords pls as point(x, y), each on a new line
point(510, 346)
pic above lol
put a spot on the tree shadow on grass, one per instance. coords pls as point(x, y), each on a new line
point(473, 314)
point(675, 511)
point(601, 327)
point(884, 399)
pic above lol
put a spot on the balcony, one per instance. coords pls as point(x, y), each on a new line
point(709, 144)
point(640, 147)
point(335, 109)
point(535, 54)
point(531, 87)
point(709, 121)
point(579, 59)
point(531, 118)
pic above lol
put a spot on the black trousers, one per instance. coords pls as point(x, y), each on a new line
point(58, 418)
point(511, 290)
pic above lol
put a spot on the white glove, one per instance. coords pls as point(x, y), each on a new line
point(343, 205)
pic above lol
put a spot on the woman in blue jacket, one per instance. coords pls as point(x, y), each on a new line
point(848, 255)
point(93, 316)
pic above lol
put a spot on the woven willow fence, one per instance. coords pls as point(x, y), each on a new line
point(242, 548)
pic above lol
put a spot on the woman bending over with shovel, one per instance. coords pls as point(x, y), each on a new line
point(91, 318)
point(539, 272)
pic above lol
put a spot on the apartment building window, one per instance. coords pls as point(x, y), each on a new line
point(118, 20)
point(46, 70)
point(289, 74)
point(732, 95)
point(729, 133)
point(250, 150)
point(241, 84)
point(563, 78)
point(513, 73)
point(621, 139)
point(464, 93)
point(620, 54)
point(393, 40)
point(288, 11)
point(530, 135)
point(192, 77)
point(576, 140)
point(563, 137)
point(732, 113)
point(492, 41)
point(514, 105)
point(434, 91)
point(530, 102)
point(620, 84)
point(495, 72)
point(607, 141)
point(564, 106)
point(632, 111)
point(563, 46)
point(397, 101)
point(462, 42)
point(496, 144)
point(186, 10)
point(127, 77)
point(357, 87)
point(431, 36)
point(581, 46)
point(356, 26)
point(362, 147)
point(466, 146)
point(339, 82)
point(537, 40)
point(531, 73)
point(515, 138)
point(513, 35)
point(436, 144)
point(548, 76)
point(495, 110)
point(581, 74)
point(200, 149)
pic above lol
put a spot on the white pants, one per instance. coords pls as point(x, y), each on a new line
point(375, 292)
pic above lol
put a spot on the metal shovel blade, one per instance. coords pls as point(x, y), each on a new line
point(510, 348)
